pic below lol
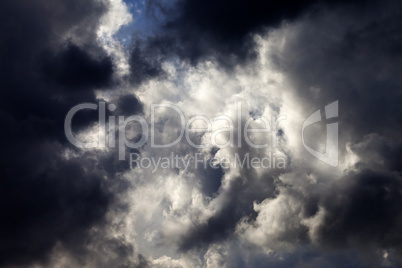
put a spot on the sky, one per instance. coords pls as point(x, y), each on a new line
point(200, 133)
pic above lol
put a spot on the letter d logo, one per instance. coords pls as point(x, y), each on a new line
point(330, 156)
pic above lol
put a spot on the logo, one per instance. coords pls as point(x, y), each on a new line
point(330, 156)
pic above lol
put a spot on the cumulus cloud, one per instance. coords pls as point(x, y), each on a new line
point(69, 207)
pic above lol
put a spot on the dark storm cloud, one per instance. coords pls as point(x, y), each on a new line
point(364, 209)
point(49, 63)
point(41, 207)
point(304, 257)
point(211, 180)
point(220, 30)
point(75, 68)
point(50, 198)
point(145, 63)
point(351, 55)
point(128, 105)
point(236, 201)
point(354, 57)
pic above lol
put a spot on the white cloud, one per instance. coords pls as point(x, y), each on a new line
point(118, 15)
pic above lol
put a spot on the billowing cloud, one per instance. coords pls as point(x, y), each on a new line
point(236, 65)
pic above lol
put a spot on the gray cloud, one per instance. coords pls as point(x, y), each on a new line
point(93, 211)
